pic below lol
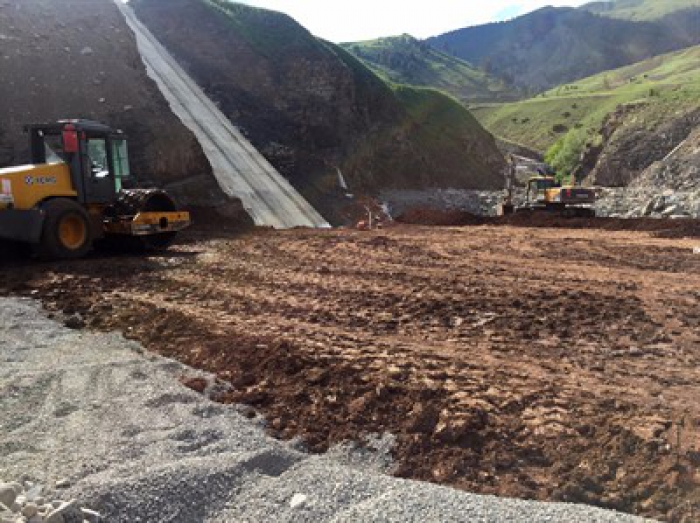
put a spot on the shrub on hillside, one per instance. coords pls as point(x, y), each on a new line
point(564, 155)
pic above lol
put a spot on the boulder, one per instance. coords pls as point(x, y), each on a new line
point(648, 208)
point(670, 211)
point(8, 495)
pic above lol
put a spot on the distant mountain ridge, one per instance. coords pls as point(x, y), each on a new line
point(611, 126)
point(552, 46)
point(639, 9)
point(406, 60)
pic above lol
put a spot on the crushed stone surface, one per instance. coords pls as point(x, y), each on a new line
point(92, 417)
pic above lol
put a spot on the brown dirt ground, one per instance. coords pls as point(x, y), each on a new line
point(429, 216)
point(553, 364)
point(681, 228)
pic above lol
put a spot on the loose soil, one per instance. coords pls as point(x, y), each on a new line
point(544, 363)
point(679, 228)
point(440, 217)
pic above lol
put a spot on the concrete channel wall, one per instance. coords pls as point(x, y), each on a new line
point(239, 168)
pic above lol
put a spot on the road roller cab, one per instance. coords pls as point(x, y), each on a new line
point(72, 193)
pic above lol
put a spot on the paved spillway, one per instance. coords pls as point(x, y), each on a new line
point(239, 168)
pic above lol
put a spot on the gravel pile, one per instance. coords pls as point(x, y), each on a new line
point(25, 503)
point(481, 203)
point(100, 422)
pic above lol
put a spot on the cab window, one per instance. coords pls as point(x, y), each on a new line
point(97, 151)
point(120, 158)
point(543, 185)
point(53, 147)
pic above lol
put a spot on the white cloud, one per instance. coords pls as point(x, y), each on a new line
point(342, 20)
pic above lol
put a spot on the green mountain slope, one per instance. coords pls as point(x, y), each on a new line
point(570, 116)
point(639, 9)
point(552, 46)
point(312, 108)
point(406, 60)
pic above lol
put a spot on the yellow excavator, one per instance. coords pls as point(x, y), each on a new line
point(546, 194)
point(72, 194)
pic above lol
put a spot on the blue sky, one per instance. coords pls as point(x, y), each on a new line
point(345, 20)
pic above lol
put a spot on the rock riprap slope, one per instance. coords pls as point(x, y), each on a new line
point(667, 188)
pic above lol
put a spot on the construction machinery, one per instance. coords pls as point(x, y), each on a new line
point(72, 194)
point(546, 194)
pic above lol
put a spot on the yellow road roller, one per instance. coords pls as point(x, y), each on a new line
point(72, 194)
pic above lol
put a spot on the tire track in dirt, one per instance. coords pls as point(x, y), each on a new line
point(548, 364)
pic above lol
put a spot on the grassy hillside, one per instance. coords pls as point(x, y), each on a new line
point(312, 108)
point(639, 9)
point(571, 115)
point(406, 60)
point(441, 122)
point(553, 46)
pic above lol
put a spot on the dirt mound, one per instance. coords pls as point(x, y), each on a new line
point(77, 59)
point(439, 217)
point(558, 364)
point(666, 228)
point(222, 219)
